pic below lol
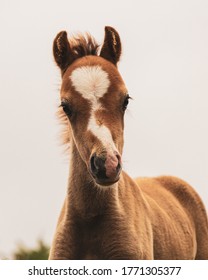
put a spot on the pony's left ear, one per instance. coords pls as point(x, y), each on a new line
point(62, 52)
point(111, 49)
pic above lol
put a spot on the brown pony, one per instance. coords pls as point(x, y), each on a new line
point(107, 214)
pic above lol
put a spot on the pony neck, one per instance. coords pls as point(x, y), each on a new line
point(86, 197)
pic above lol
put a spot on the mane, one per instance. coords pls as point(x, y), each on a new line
point(66, 130)
point(81, 45)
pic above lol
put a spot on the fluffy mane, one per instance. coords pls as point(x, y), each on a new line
point(66, 131)
point(82, 45)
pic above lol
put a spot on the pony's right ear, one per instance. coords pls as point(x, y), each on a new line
point(111, 49)
point(62, 51)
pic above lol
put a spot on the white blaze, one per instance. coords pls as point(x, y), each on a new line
point(92, 83)
point(102, 133)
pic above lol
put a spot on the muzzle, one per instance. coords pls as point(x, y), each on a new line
point(105, 169)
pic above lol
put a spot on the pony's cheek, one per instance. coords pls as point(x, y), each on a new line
point(84, 152)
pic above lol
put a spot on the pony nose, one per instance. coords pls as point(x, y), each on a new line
point(105, 169)
point(112, 165)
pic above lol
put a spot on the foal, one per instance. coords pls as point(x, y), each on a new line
point(107, 214)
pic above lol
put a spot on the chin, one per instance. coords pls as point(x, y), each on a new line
point(107, 183)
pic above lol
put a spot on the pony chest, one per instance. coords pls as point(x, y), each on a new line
point(106, 238)
point(90, 237)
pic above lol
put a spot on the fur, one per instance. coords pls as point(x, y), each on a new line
point(143, 218)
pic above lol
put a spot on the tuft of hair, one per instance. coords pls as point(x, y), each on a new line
point(66, 131)
point(82, 45)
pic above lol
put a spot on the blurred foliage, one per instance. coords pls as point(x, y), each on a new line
point(41, 252)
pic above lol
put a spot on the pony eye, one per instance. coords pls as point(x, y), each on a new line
point(66, 108)
point(126, 102)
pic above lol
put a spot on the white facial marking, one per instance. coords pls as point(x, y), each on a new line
point(102, 133)
point(92, 83)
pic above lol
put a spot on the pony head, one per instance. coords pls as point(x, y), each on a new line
point(93, 101)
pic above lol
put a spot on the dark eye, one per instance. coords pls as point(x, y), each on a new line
point(126, 102)
point(66, 108)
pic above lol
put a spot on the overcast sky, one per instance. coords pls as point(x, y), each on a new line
point(165, 67)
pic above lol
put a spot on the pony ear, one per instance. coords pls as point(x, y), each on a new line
point(62, 51)
point(111, 49)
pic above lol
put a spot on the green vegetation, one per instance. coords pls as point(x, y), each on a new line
point(41, 252)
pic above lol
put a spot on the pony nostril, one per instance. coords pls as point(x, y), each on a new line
point(119, 159)
point(96, 164)
point(118, 168)
point(93, 167)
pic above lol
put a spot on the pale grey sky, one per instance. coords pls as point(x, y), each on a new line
point(165, 67)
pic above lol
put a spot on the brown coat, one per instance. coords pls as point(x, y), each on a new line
point(107, 214)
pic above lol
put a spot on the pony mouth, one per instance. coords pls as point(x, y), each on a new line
point(106, 183)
